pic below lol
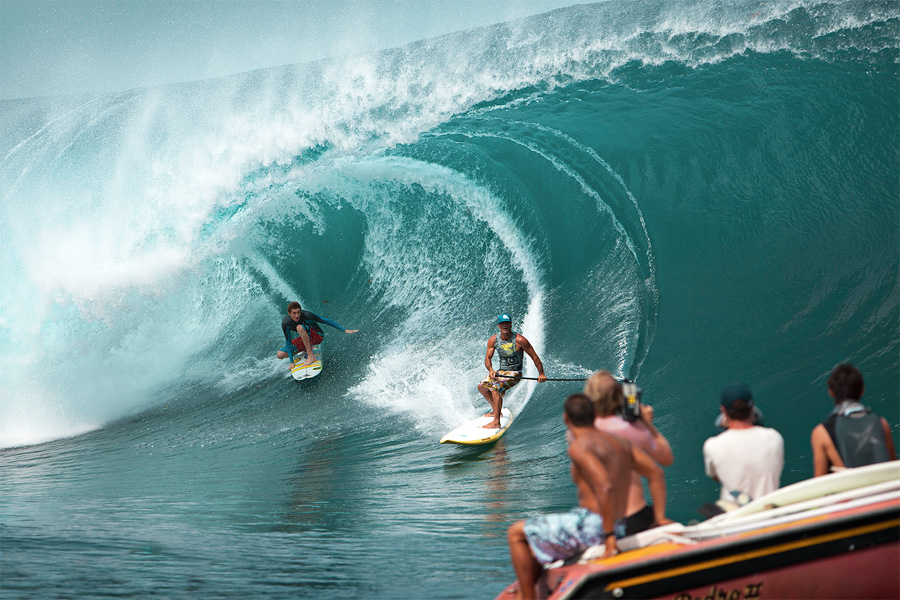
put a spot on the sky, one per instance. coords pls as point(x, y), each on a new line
point(56, 47)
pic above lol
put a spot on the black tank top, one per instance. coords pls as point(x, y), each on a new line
point(857, 434)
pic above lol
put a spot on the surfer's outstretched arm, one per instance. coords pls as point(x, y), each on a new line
point(331, 323)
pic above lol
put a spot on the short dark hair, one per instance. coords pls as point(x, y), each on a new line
point(740, 410)
point(580, 410)
point(293, 305)
point(846, 383)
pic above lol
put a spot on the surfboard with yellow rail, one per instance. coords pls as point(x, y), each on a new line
point(300, 371)
point(473, 433)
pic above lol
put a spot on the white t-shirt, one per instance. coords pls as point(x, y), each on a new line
point(745, 460)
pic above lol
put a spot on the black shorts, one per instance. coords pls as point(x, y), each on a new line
point(642, 520)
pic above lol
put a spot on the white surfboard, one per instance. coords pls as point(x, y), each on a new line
point(300, 372)
point(472, 433)
point(816, 487)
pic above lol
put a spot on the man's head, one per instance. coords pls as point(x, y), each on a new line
point(579, 411)
point(294, 310)
point(504, 323)
point(845, 383)
point(737, 401)
point(605, 392)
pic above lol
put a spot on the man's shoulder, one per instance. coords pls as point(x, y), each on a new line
point(612, 424)
point(617, 443)
point(773, 436)
point(576, 447)
point(820, 435)
point(725, 439)
point(757, 431)
point(761, 431)
point(591, 440)
point(711, 442)
point(637, 433)
point(715, 439)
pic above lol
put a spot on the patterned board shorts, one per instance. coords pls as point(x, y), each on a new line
point(560, 536)
point(502, 381)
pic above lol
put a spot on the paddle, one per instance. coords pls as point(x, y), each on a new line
point(549, 379)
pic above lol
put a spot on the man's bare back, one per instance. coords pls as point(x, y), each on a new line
point(601, 470)
point(602, 467)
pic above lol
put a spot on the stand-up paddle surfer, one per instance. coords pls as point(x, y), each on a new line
point(511, 347)
point(302, 332)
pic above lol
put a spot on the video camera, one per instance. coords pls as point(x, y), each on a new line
point(631, 402)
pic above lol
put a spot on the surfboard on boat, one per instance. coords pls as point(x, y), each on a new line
point(817, 487)
point(300, 372)
point(472, 433)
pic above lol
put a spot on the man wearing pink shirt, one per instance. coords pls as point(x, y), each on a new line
point(606, 393)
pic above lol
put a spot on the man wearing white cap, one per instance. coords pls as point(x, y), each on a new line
point(511, 348)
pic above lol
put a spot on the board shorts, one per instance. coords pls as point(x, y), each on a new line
point(502, 381)
point(561, 536)
point(315, 338)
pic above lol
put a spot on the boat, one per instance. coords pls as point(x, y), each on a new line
point(834, 536)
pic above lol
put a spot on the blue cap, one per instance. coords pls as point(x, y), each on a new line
point(503, 318)
point(734, 392)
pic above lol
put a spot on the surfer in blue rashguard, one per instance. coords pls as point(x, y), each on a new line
point(302, 332)
point(511, 348)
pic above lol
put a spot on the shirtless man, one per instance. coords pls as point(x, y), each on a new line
point(511, 348)
point(601, 470)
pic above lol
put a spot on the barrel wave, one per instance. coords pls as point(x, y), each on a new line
point(685, 194)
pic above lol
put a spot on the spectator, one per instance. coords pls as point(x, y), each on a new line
point(606, 394)
point(601, 470)
point(745, 458)
point(852, 435)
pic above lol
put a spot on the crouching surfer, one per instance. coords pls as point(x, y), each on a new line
point(302, 332)
point(511, 348)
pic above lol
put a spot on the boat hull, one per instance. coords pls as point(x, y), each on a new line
point(848, 553)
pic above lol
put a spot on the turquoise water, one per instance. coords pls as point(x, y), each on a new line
point(682, 193)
